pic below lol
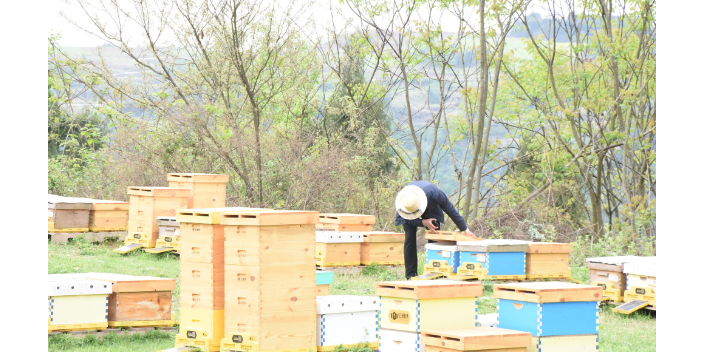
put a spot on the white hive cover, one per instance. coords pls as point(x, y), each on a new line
point(617, 260)
point(645, 267)
point(441, 247)
point(493, 242)
point(74, 284)
point(346, 304)
point(338, 237)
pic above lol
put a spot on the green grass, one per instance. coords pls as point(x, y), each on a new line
point(617, 332)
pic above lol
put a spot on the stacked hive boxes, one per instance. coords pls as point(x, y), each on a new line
point(495, 259)
point(270, 280)
point(545, 260)
point(641, 281)
point(441, 258)
point(607, 272)
point(347, 321)
point(384, 248)
point(479, 339)
point(202, 278)
point(68, 214)
point(560, 316)
point(76, 303)
point(108, 215)
point(146, 204)
point(323, 280)
point(346, 222)
point(206, 190)
point(407, 307)
point(334, 248)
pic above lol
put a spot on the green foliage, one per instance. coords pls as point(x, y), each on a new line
point(360, 347)
point(149, 341)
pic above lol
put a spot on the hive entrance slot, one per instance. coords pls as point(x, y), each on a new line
point(406, 288)
point(450, 338)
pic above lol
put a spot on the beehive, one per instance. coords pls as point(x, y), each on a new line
point(168, 226)
point(138, 300)
point(346, 320)
point(206, 190)
point(607, 272)
point(641, 281)
point(441, 258)
point(335, 248)
point(480, 339)
point(384, 248)
point(323, 280)
point(270, 280)
point(415, 305)
point(76, 303)
point(346, 222)
point(108, 215)
point(399, 341)
point(148, 203)
point(202, 274)
point(501, 259)
point(549, 308)
point(545, 260)
point(68, 214)
point(568, 343)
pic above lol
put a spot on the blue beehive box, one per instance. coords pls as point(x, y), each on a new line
point(499, 257)
point(549, 308)
point(324, 277)
point(438, 252)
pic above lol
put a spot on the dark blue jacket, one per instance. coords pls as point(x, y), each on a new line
point(437, 203)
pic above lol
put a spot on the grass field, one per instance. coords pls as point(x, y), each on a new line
point(616, 332)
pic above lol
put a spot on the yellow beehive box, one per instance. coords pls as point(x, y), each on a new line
point(206, 190)
point(479, 339)
point(567, 343)
point(202, 328)
point(108, 215)
point(418, 305)
point(547, 260)
point(382, 248)
point(270, 280)
point(78, 312)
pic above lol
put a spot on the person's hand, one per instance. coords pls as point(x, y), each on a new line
point(428, 223)
point(470, 234)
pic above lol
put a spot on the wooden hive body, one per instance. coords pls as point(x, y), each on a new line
point(106, 215)
point(549, 308)
point(76, 303)
point(501, 258)
point(382, 248)
point(548, 260)
point(399, 341)
point(148, 203)
point(568, 343)
point(443, 253)
point(607, 272)
point(206, 190)
point(270, 279)
point(476, 339)
point(346, 222)
point(641, 281)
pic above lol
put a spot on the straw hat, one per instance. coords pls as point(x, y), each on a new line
point(411, 202)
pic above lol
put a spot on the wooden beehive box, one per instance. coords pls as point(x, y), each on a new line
point(502, 259)
point(207, 190)
point(76, 303)
point(346, 320)
point(323, 280)
point(109, 215)
point(475, 339)
point(607, 272)
point(549, 308)
point(438, 304)
point(270, 280)
point(335, 248)
point(381, 247)
point(69, 214)
point(346, 222)
point(148, 203)
point(581, 343)
point(641, 281)
point(138, 300)
point(449, 236)
point(442, 257)
point(399, 341)
point(545, 260)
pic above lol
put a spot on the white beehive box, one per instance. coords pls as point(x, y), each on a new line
point(399, 341)
point(347, 320)
point(338, 237)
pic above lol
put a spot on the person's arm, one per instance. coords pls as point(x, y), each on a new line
point(450, 210)
point(415, 222)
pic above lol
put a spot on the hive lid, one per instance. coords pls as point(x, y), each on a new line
point(197, 178)
point(429, 289)
point(645, 266)
point(130, 283)
point(158, 192)
point(475, 339)
point(452, 236)
point(347, 219)
point(68, 203)
point(382, 236)
point(261, 217)
point(549, 247)
point(546, 292)
point(75, 284)
point(324, 277)
point(207, 215)
point(493, 245)
point(338, 237)
point(346, 304)
point(440, 247)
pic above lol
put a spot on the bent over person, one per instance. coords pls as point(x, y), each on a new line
point(418, 204)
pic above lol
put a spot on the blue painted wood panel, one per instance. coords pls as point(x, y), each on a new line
point(549, 319)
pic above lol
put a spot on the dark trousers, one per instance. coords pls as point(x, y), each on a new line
point(410, 251)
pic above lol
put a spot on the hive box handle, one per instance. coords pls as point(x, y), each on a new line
point(518, 305)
